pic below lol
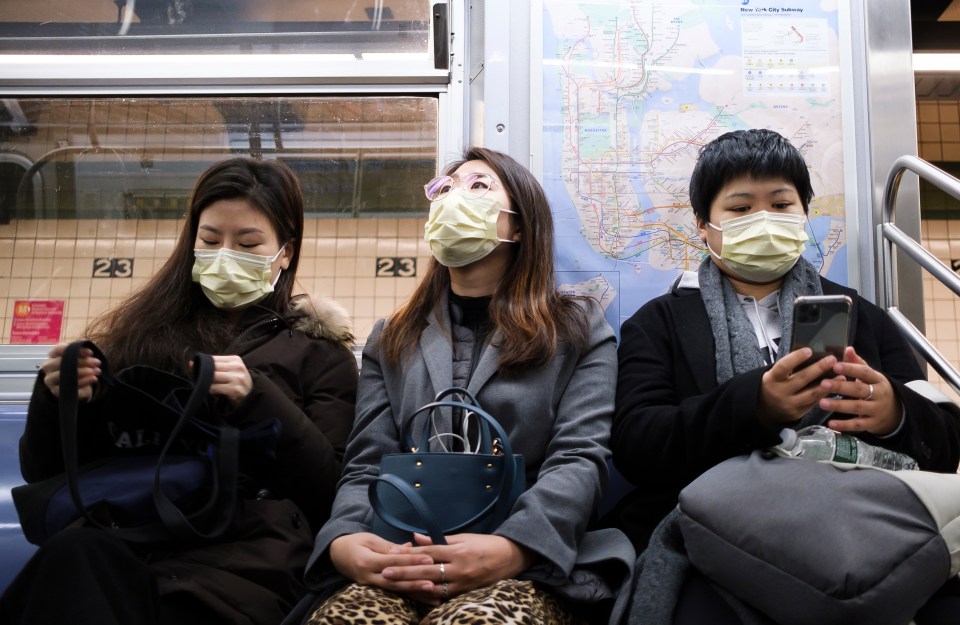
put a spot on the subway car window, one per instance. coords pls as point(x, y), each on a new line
point(226, 26)
point(93, 190)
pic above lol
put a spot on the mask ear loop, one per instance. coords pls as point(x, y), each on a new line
point(813, 235)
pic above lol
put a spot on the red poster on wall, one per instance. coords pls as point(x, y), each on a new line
point(36, 321)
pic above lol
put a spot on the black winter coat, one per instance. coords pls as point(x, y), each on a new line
point(673, 421)
point(305, 375)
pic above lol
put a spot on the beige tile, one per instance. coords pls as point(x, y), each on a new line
point(310, 228)
point(373, 287)
point(405, 286)
point(363, 305)
point(323, 285)
point(127, 228)
point(946, 330)
point(366, 246)
point(366, 266)
point(146, 229)
point(325, 268)
point(86, 229)
point(80, 287)
point(98, 306)
point(367, 227)
point(84, 248)
point(21, 268)
point(19, 287)
point(8, 231)
point(23, 248)
point(347, 227)
point(42, 267)
point(107, 228)
point(928, 112)
point(168, 228)
point(408, 227)
point(326, 227)
point(77, 307)
point(387, 227)
point(344, 267)
point(40, 288)
point(950, 132)
point(144, 248)
point(327, 247)
point(105, 248)
point(67, 248)
point(26, 228)
point(951, 151)
point(6, 266)
point(929, 132)
point(73, 329)
point(343, 288)
point(386, 247)
point(407, 248)
point(362, 327)
point(44, 248)
point(47, 228)
point(949, 111)
point(100, 288)
point(6, 247)
point(937, 228)
point(120, 287)
point(67, 228)
point(931, 151)
point(383, 306)
point(346, 247)
point(164, 248)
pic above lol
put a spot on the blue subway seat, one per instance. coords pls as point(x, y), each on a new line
point(14, 548)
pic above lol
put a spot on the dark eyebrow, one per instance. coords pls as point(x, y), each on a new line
point(240, 232)
point(747, 196)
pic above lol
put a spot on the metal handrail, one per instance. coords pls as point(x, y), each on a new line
point(889, 235)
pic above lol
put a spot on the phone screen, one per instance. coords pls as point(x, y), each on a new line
point(822, 323)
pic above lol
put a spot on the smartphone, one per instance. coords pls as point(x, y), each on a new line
point(822, 323)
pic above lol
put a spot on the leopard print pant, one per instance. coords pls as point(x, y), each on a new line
point(508, 602)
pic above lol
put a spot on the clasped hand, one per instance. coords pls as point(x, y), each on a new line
point(470, 561)
point(785, 395)
point(231, 378)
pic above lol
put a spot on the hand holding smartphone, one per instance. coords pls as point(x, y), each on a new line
point(822, 323)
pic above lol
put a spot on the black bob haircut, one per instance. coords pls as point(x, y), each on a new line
point(759, 154)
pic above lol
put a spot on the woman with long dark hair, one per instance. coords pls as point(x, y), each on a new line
point(227, 290)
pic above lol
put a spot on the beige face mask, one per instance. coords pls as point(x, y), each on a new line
point(761, 247)
point(232, 279)
point(462, 230)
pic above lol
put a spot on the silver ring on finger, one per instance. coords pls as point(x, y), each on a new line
point(869, 392)
point(443, 576)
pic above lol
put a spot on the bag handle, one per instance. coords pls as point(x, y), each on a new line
point(225, 469)
point(467, 397)
point(431, 526)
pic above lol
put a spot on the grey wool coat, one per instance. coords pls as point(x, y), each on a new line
point(558, 417)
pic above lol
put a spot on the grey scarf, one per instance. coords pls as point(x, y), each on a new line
point(737, 350)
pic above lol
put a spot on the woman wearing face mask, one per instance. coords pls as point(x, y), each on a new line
point(486, 317)
point(227, 291)
point(705, 370)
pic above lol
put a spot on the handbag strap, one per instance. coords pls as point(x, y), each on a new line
point(431, 526)
point(225, 469)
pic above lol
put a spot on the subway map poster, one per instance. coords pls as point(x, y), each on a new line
point(633, 89)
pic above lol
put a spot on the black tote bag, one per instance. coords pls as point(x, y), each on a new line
point(165, 497)
point(442, 493)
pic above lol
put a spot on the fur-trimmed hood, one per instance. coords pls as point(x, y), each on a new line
point(322, 318)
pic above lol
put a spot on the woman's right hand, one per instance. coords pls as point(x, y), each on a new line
point(363, 556)
point(88, 368)
point(785, 395)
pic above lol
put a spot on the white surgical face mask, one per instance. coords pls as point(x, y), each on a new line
point(462, 230)
point(232, 279)
point(763, 246)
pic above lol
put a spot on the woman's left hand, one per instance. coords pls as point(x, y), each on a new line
point(231, 378)
point(869, 396)
point(469, 561)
